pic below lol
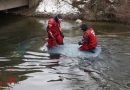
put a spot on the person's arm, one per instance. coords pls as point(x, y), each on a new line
point(84, 40)
point(50, 35)
point(61, 33)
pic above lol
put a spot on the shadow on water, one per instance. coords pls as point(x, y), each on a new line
point(21, 56)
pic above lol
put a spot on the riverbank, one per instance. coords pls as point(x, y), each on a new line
point(108, 10)
point(31, 13)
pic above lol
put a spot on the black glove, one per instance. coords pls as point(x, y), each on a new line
point(47, 28)
point(62, 35)
point(79, 43)
point(52, 37)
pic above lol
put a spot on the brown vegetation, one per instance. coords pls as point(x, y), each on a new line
point(108, 10)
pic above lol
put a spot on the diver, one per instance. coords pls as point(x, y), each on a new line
point(55, 34)
point(89, 41)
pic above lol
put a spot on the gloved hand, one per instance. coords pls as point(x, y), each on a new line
point(52, 37)
point(62, 35)
point(47, 28)
point(80, 43)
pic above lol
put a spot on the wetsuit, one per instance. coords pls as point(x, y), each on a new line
point(55, 35)
point(89, 40)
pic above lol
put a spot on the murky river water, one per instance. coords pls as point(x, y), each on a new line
point(21, 43)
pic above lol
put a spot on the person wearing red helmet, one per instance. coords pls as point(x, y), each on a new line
point(89, 41)
point(55, 35)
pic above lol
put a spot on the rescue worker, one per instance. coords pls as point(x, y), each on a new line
point(55, 35)
point(89, 41)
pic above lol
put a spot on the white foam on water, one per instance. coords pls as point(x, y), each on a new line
point(72, 50)
point(4, 59)
point(37, 57)
point(38, 53)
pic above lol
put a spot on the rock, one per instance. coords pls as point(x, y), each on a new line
point(78, 21)
point(128, 84)
point(111, 1)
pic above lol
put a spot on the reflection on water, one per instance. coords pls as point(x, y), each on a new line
point(22, 41)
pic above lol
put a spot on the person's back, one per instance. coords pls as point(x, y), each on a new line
point(92, 40)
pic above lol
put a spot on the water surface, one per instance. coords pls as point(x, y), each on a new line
point(22, 40)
